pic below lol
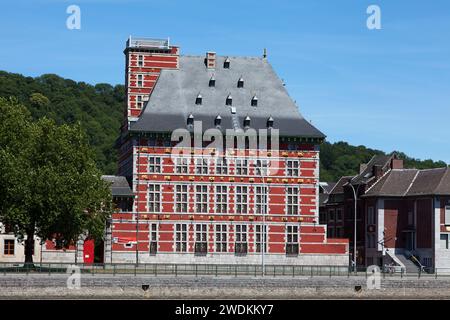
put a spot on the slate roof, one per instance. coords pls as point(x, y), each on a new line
point(412, 182)
point(367, 174)
point(174, 95)
point(339, 186)
point(119, 186)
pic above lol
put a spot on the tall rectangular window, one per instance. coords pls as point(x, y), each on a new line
point(201, 166)
point(140, 60)
point(139, 102)
point(241, 167)
point(221, 199)
point(260, 242)
point(291, 240)
point(261, 200)
point(181, 237)
point(181, 165)
point(154, 198)
point(241, 199)
point(447, 215)
point(338, 214)
point(8, 247)
point(154, 164)
point(181, 198)
point(201, 199)
point(153, 238)
point(201, 236)
point(221, 166)
point(370, 215)
point(221, 238)
point(292, 200)
point(444, 241)
point(140, 80)
point(292, 168)
point(240, 245)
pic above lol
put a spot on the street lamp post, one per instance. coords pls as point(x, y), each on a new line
point(355, 197)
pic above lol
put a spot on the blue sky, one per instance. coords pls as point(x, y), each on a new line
point(387, 89)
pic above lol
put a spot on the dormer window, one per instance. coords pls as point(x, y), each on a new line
point(240, 83)
point(218, 121)
point(199, 99)
point(247, 122)
point(254, 101)
point(270, 122)
point(226, 63)
point(229, 100)
point(190, 120)
point(212, 82)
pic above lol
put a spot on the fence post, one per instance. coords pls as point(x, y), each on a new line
point(235, 270)
point(293, 271)
point(196, 271)
point(216, 269)
point(135, 267)
point(435, 273)
point(114, 270)
point(176, 270)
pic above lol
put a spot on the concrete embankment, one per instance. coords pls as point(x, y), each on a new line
point(40, 286)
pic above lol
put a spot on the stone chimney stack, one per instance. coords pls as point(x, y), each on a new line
point(397, 163)
point(210, 60)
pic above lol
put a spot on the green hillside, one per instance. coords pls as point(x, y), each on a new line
point(99, 110)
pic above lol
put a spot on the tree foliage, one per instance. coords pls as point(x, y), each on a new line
point(99, 108)
point(49, 183)
point(341, 159)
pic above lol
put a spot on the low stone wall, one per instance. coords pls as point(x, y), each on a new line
point(119, 287)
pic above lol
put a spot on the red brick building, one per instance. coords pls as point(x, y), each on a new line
point(230, 203)
point(403, 215)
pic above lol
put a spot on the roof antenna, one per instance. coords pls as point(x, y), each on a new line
point(265, 53)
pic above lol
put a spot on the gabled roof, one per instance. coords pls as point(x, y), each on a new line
point(367, 174)
point(394, 183)
point(412, 182)
point(119, 186)
point(339, 186)
point(173, 98)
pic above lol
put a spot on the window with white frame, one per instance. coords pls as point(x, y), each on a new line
point(181, 165)
point(154, 164)
point(221, 166)
point(292, 198)
point(140, 80)
point(181, 198)
point(181, 237)
point(261, 200)
point(241, 166)
point(201, 166)
point(240, 236)
point(241, 198)
point(370, 216)
point(201, 199)
point(292, 168)
point(140, 60)
point(221, 238)
point(261, 167)
point(260, 242)
point(201, 236)
point(139, 102)
point(291, 240)
point(221, 199)
point(153, 238)
point(154, 198)
point(447, 215)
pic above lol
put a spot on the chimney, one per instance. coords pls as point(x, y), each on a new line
point(396, 164)
point(210, 60)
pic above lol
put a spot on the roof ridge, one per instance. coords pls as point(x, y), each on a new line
point(446, 170)
point(379, 180)
point(412, 183)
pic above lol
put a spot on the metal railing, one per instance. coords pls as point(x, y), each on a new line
point(230, 270)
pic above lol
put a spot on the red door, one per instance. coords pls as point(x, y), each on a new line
point(88, 251)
